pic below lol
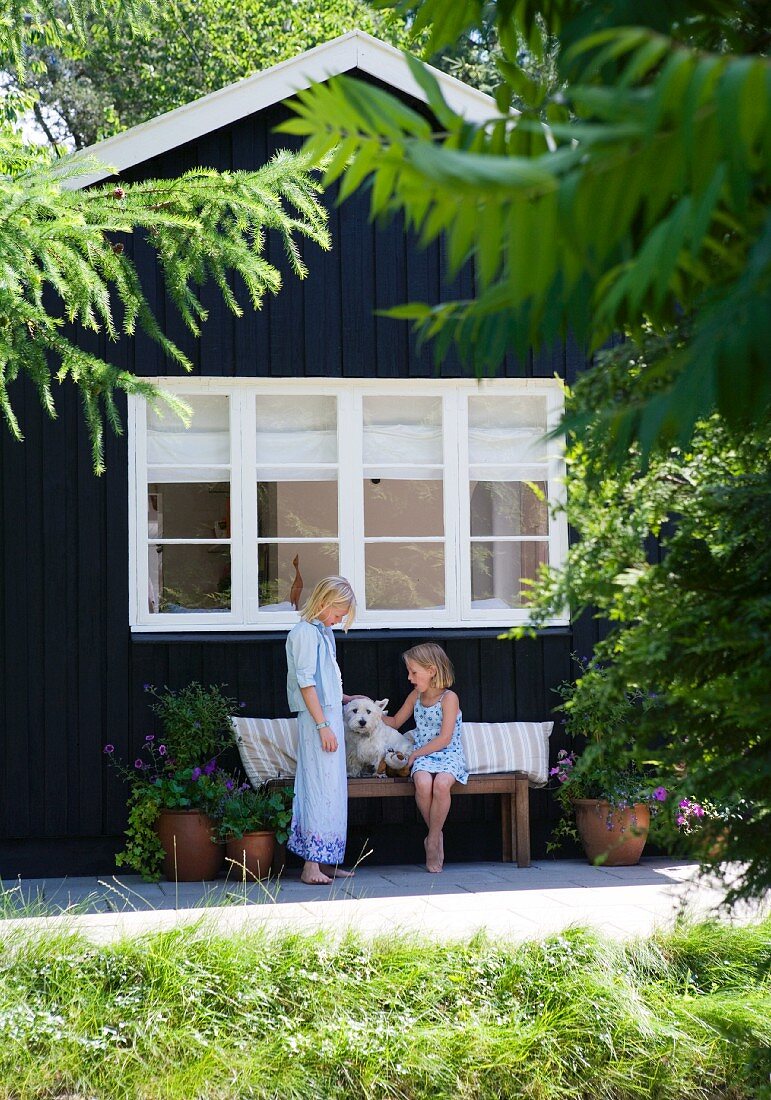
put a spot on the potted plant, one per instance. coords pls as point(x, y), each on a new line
point(176, 784)
point(604, 789)
point(250, 822)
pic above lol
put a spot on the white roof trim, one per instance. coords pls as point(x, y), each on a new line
point(355, 50)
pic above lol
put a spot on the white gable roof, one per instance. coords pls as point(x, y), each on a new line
point(355, 50)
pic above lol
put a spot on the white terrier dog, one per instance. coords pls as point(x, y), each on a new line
point(367, 737)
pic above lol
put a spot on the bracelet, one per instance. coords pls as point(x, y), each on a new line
point(322, 725)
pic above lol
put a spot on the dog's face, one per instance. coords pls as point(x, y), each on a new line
point(364, 715)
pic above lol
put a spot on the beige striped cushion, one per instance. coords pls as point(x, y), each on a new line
point(268, 747)
point(508, 747)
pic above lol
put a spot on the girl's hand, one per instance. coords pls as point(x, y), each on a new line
point(412, 758)
point(328, 739)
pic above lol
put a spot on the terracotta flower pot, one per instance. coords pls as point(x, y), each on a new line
point(617, 835)
point(187, 839)
point(251, 854)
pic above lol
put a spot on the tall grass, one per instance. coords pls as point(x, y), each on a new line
point(192, 1014)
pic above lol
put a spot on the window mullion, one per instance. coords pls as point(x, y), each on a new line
point(248, 398)
point(350, 496)
point(464, 511)
point(138, 531)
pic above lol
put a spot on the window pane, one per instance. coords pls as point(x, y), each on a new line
point(300, 430)
point(404, 576)
point(288, 572)
point(296, 509)
point(403, 507)
point(506, 430)
point(188, 510)
point(507, 508)
point(406, 431)
point(188, 578)
point(497, 571)
point(206, 440)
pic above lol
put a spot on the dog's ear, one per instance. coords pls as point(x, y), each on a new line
point(383, 704)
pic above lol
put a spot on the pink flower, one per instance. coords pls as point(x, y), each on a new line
point(681, 819)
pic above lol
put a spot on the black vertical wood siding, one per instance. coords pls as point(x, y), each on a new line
point(72, 675)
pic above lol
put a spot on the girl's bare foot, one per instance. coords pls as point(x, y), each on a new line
point(336, 872)
point(433, 854)
point(312, 875)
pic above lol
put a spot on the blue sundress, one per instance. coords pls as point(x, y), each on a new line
point(428, 725)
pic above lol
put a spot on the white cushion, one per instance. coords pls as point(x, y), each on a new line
point(508, 747)
point(268, 747)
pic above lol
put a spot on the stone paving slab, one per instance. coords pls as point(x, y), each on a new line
point(501, 899)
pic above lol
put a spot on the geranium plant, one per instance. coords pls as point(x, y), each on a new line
point(244, 810)
point(176, 770)
point(606, 769)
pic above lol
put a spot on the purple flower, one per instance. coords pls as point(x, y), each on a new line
point(149, 737)
point(229, 785)
point(161, 750)
point(242, 705)
point(680, 819)
point(552, 771)
point(195, 774)
point(660, 794)
point(685, 804)
point(146, 687)
point(109, 749)
point(698, 811)
point(138, 764)
point(210, 768)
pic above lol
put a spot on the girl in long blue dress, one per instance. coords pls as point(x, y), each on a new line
point(315, 692)
point(437, 761)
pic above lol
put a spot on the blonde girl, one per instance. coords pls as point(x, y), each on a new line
point(437, 761)
point(315, 692)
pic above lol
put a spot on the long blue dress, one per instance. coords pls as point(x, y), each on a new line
point(428, 725)
point(320, 808)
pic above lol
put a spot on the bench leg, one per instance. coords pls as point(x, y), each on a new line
point(507, 831)
point(521, 798)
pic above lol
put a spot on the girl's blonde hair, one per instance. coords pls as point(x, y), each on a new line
point(430, 655)
point(331, 592)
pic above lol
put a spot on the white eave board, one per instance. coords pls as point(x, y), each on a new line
point(355, 50)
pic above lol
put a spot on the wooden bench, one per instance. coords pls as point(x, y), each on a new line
point(268, 748)
point(513, 787)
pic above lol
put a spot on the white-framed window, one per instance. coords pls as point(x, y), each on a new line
point(433, 498)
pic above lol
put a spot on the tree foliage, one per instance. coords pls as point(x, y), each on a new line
point(97, 77)
point(65, 260)
point(690, 627)
point(644, 201)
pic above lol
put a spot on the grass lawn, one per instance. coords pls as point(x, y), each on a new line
point(193, 1014)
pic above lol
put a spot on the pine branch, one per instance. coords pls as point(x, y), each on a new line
point(204, 226)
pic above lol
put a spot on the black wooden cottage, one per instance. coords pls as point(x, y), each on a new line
point(322, 441)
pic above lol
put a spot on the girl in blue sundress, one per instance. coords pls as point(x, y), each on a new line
point(437, 761)
point(315, 692)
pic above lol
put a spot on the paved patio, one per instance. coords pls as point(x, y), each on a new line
point(500, 898)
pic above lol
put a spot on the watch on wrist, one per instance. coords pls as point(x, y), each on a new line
point(322, 725)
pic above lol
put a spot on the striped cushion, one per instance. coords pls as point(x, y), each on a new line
point(508, 747)
point(268, 747)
